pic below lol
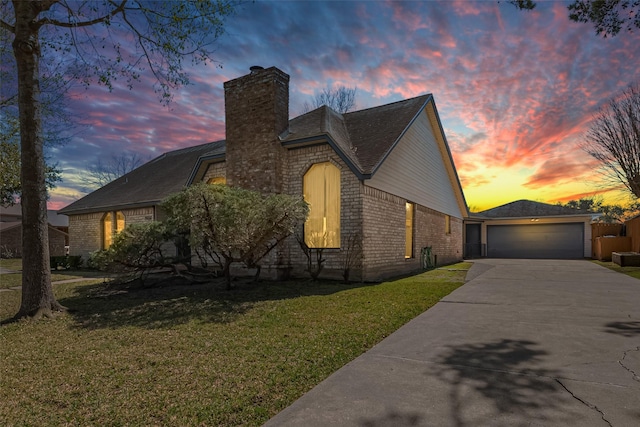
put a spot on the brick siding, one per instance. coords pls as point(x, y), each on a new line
point(85, 234)
point(299, 160)
point(85, 230)
point(384, 236)
point(215, 170)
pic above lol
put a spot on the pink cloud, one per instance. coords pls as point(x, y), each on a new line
point(587, 194)
point(558, 170)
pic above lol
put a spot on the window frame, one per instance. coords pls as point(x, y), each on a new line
point(409, 229)
point(118, 222)
point(328, 242)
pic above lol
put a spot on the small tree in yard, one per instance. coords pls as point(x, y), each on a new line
point(230, 225)
point(315, 258)
point(352, 255)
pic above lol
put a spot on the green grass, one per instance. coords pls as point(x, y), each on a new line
point(15, 279)
point(629, 271)
point(187, 355)
point(14, 264)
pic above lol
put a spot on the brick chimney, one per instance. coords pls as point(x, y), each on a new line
point(256, 112)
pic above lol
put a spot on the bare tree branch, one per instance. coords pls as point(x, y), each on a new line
point(103, 173)
point(613, 139)
point(341, 99)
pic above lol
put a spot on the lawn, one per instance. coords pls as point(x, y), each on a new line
point(14, 264)
point(179, 354)
point(629, 271)
point(15, 279)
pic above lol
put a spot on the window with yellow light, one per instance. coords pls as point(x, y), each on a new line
point(321, 188)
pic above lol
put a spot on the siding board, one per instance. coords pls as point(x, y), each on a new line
point(416, 171)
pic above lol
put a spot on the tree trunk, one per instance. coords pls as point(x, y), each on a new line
point(37, 294)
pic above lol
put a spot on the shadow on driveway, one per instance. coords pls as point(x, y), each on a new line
point(626, 329)
point(505, 375)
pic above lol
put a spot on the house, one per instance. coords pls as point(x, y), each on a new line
point(528, 229)
point(11, 232)
point(383, 176)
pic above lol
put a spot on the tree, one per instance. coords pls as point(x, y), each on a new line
point(613, 139)
point(103, 173)
point(56, 125)
point(341, 99)
point(611, 213)
point(93, 38)
point(9, 173)
point(608, 17)
point(10, 187)
point(228, 224)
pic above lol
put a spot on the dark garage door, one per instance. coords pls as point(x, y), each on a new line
point(536, 241)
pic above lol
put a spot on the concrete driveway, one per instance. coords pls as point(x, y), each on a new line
point(523, 343)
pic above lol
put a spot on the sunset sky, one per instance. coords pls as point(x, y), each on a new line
point(515, 89)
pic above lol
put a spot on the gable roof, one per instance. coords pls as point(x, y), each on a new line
point(362, 138)
point(10, 213)
point(14, 213)
point(147, 185)
point(529, 208)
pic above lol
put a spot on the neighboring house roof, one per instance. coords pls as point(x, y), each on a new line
point(14, 213)
point(10, 213)
point(363, 139)
point(147, 185)
point(57, 220)
point(529, 208)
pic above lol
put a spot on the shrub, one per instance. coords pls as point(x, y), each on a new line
point(228, 224)
point(136, 250)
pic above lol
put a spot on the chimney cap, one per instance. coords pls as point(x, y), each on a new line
point(255, 68)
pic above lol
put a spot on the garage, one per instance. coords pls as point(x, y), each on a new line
point(549, 240)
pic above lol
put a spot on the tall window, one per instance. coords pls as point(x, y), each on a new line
point(408, 229)
point(217, 180)
point(110, 229)
point(321, 189)
point(447, 224)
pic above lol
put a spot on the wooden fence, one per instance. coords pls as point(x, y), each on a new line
point(633, 231)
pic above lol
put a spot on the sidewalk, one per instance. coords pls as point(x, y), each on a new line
point(525, 342)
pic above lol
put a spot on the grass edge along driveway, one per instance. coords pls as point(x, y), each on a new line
point(195, 355)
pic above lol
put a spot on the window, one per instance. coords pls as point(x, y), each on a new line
point(108, 228)
point(321, 188)
point(447, 224)
point(408, 227)
point(217, 180)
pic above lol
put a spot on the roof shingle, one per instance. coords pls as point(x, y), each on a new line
point(148, 184)
point(529, 208)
